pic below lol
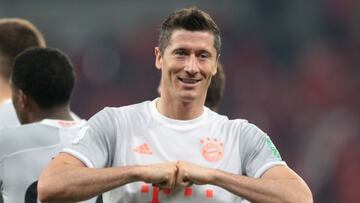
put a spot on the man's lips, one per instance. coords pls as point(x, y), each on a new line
point(189, 80)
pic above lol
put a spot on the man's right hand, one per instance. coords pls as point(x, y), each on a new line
point(161, 175)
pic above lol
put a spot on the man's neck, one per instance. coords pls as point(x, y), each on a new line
point(58, 113)
point(180, 110)
point(5, 91)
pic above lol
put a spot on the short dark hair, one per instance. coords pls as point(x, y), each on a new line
point(192, 19)
point(216, 89)
point(16, 35)
point(44, 74)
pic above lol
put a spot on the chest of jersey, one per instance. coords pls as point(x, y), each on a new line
point(203, 146)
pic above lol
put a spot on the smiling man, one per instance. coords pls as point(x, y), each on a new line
point(174, 149)
point(187, 64)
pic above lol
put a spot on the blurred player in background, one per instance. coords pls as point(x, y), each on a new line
point(16, 35)
point(216, 88)
point(173, 149)
point(42, 82)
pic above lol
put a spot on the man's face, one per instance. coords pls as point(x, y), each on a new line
point(187, 64)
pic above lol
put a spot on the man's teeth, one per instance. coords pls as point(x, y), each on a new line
point(188, 80)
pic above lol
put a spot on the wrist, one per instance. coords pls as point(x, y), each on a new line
point(136, 173)
point(216, 177)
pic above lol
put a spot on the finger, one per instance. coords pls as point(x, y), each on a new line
point(186, 176)
point(186, 180)
point(171, 182)
point(161, 185)
point(179, 179)
point(187, 183)
point(174, 177)
point(183, 180)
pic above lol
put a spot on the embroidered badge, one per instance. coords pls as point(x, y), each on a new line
point(212, 149)
point(271, 145)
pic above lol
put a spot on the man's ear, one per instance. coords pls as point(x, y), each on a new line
point(158, 58)
point(24, 99)
point(215, 68)
point(214, 71)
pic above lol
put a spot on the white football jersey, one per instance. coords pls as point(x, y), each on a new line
point(26, 150)
point(139, 134)
point(8, 116)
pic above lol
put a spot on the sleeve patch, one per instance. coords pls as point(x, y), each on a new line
point(271, 145)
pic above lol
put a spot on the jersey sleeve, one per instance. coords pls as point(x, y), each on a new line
point(260, 154)
point(1, 178)
point(3, 142)
point(94, 144)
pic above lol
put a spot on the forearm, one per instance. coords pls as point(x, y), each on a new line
point(263, 189)
point(69, 183)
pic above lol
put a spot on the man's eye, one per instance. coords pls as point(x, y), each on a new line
point(204, 55)
point(180, 53)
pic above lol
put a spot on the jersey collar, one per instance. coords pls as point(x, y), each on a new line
point(63, 123)
point(177, 124)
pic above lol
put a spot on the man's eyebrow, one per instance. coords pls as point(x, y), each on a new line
point(179, 49)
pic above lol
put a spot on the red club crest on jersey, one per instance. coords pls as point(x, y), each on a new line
point(212, 149)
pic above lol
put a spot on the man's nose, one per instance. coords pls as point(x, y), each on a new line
point(192, 65)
